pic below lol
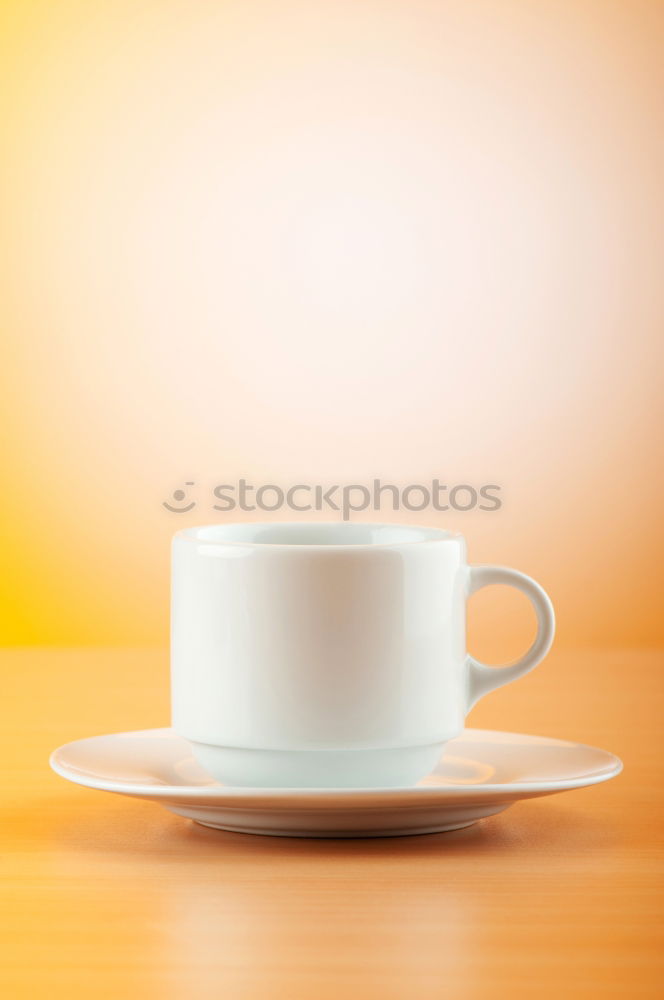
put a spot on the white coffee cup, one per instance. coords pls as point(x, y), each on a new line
point(329, 654)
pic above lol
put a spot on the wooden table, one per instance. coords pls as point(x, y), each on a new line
point(110, 897)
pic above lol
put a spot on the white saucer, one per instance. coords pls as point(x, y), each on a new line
point(480, 773)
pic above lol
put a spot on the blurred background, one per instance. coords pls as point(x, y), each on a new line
point(327, 242)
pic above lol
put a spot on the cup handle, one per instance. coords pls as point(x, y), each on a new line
point(482, 679)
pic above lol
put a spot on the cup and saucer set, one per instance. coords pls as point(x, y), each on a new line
point(320, 684)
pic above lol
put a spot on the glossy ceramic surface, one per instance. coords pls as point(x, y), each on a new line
point(482, 772)
point(322, 649)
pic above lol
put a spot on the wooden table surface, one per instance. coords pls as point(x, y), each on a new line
point(105, 896)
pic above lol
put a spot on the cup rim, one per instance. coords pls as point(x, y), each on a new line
point(394, 535)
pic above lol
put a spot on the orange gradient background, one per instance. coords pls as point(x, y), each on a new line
point(326, 242)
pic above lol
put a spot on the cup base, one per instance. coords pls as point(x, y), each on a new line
point(386, 768)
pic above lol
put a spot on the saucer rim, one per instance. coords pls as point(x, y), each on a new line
point(406, 793)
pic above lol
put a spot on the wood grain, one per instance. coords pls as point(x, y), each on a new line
point(108, 897)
